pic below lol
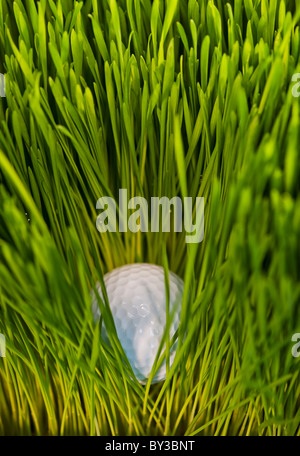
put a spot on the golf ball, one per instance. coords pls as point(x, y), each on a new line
point(137, 298)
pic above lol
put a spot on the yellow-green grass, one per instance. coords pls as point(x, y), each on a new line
point(163, 98)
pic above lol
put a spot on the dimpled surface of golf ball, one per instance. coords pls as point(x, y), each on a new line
point(137, 298)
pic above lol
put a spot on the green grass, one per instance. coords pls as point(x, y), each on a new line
point(188, 98)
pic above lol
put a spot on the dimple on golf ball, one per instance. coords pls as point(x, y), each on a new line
point(137, 298)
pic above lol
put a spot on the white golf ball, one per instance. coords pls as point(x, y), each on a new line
point(137, 298)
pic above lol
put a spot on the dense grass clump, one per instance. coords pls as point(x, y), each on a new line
point(162, 98)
